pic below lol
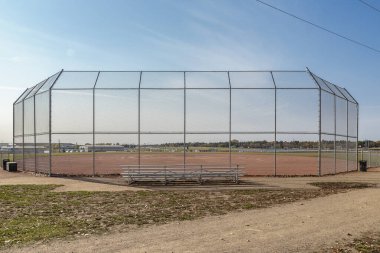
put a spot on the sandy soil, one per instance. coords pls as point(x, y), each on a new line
point(307, 226)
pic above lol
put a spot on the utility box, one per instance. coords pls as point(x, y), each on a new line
point(12, 166)
point(363, 165)
point(5, 161)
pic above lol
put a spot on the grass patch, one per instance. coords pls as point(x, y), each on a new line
point(30, 213)
point(342, 185)
point(367, 243)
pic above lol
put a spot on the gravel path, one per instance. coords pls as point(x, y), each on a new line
point(306, 226)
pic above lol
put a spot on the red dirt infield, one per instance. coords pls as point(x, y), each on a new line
point(253, 164)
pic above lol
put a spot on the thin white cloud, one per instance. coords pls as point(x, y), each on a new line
point(72, 45)
point(221, 55)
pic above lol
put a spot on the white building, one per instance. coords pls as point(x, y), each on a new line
point(101, 148)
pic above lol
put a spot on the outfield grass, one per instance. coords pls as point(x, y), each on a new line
point(30, 213)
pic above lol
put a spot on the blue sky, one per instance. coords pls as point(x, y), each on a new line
point(38, 38)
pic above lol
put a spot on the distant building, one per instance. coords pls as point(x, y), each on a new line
point(67, 146)
point(5, 147)
point(101, 148)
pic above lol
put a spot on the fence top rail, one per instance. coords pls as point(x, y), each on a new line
point(307, 84)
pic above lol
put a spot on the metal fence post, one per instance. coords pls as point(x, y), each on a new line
point(275, 124)
point(93, 127)
point(335, 157)
point(347, 139)
point(23, 136)
point(50, 146)
point(320, 133)
point(139, 122)
point(13, 137)
point(319, 123)
point(50, 121)
point(357, 136)
point(35, 137)
point(184, 122)
point(230, 121)
point(357, 128)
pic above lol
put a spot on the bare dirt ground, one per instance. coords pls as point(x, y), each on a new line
point(306, 226)
point(68, 184)
point(372, 176)
point(95, 184)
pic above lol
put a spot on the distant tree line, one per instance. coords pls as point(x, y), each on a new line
point(247, 144)
point(369, 144)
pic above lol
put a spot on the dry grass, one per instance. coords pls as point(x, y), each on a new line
point(30, 213)
point(367, 243)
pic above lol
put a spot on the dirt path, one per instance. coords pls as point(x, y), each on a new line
point(101, 184)
point(306, 226)
point(68, 184)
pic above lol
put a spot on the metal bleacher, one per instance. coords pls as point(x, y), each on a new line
point(174, 173)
